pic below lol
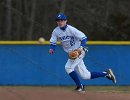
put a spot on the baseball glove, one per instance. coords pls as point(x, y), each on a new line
point(74, 54)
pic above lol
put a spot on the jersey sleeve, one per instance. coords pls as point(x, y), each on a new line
point(80, 35)
point(53, 38)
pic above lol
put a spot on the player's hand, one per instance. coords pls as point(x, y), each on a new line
point(80, 49)
point(51, 51)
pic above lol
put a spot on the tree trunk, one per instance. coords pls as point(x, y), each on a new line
point(18, 21)
point(63, 4)
point(8, 24)
point(30, 30)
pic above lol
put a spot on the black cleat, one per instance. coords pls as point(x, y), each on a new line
point(80, 89)
point(111, 76)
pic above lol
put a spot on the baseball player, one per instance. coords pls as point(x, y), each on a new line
point(73, 41)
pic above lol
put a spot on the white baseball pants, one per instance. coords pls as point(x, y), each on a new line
point(78, 66)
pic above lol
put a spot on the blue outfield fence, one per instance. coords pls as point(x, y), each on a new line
point(30, 64)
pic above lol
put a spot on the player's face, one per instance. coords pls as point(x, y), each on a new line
point(61, 23)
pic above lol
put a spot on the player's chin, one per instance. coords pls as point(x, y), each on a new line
point(61, 25)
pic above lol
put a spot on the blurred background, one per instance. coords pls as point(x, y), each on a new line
point(107, 20)
point(23, 21)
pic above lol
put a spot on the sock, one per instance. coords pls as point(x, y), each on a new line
point(74, 76)
point(97, 74)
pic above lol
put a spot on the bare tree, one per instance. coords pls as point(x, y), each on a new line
point(62, 6)
point(8, 20)
point(32, 17)
point(107, 11)
point(18, 22)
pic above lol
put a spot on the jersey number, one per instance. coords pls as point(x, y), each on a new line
point(72, 42)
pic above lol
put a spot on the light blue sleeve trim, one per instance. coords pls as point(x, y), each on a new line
point(83, 38)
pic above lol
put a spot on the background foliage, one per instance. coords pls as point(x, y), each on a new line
point(98, 19)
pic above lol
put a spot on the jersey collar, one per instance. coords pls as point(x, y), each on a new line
point(63, 28)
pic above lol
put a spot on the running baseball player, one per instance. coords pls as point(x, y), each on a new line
point(73, 42)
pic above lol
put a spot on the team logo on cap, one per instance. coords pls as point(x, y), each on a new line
point(59, 16)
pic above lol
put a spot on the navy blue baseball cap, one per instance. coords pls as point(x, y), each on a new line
point(61, 16)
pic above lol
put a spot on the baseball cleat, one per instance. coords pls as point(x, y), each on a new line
point(80, 89)
point(111, 76)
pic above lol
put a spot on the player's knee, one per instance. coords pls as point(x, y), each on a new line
point(68, 69)
point(86, 76)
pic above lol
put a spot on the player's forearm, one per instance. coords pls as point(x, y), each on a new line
point(52, 46)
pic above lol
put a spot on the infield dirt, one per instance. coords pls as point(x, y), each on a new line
point(58, 93)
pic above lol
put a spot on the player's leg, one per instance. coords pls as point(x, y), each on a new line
point(81, 69)
point(85, 74)
point(69, 67)
point(108, 74)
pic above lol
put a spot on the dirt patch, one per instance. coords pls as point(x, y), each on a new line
point(57, 93)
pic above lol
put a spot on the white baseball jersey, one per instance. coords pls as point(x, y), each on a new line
point(70, 38)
